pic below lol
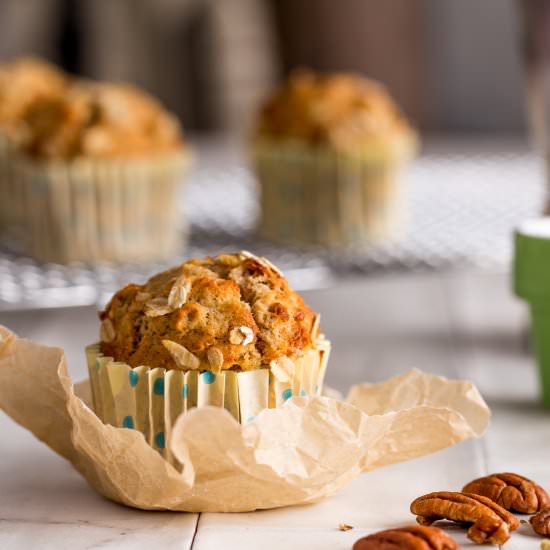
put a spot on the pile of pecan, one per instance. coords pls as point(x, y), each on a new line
point(485, 504)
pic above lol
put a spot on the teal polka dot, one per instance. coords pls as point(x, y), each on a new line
point(186, 391)
point(303, 393)
point(250, 418)
point(133, 376)
point(159, 440)
point(316, 389)
point(97, 364)
point(287, 394)
point(128, 422)
point(158, 386)
point(208, 377)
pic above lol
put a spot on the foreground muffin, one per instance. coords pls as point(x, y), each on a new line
point(327, 150)
point(226, 331)
point(97, 166)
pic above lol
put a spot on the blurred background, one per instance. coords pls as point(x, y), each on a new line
point(459, 72)
point(454, 67)
point(457, 69)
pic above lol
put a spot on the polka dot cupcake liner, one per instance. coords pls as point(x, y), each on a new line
point(151, 399)
point(97, 209)
point(327, 198)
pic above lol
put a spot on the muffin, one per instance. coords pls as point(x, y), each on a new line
point(226, 331)
point(97, 170)
point(327, 151)
point(22, 84)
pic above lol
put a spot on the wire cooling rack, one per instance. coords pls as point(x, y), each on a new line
point(465, 197)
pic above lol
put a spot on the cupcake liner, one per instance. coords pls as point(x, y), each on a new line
point(151, 399)
point(325, 197)
point(101, 209)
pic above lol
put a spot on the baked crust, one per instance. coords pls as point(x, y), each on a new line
point(24, 82)
point(232, 311)
point(98, 120)
point(49, 115)
point(341, 110)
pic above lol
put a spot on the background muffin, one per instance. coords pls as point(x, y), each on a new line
point(225, 331)
point(96, 120)
point(326, 150)
point(22, 83)
point(95, 169)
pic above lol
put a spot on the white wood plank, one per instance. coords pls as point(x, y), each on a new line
point(299, 539)
point(44, 503)
point(377, 500)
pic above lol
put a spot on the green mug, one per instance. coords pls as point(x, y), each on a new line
point(532, 284)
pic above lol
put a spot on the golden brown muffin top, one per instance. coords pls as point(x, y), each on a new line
point(232, 311)
point(22, 83)
point(341, 110)
point(98, 120)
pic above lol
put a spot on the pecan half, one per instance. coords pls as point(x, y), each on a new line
point(490, 522)
point(511, 491)
point(414, 537)
point(541, 522)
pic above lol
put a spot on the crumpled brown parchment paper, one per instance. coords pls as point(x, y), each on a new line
point(300, 453)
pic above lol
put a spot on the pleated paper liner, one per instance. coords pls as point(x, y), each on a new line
point(150, 400)
point(102, 209)
point(320, 196)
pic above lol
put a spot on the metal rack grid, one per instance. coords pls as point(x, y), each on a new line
point(464, 199)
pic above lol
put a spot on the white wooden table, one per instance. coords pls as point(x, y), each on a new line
point(458, 324)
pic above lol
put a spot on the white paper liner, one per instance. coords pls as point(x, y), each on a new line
point(101, 209)
point(302, 452)
point(150, 400)
point(320, 196)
